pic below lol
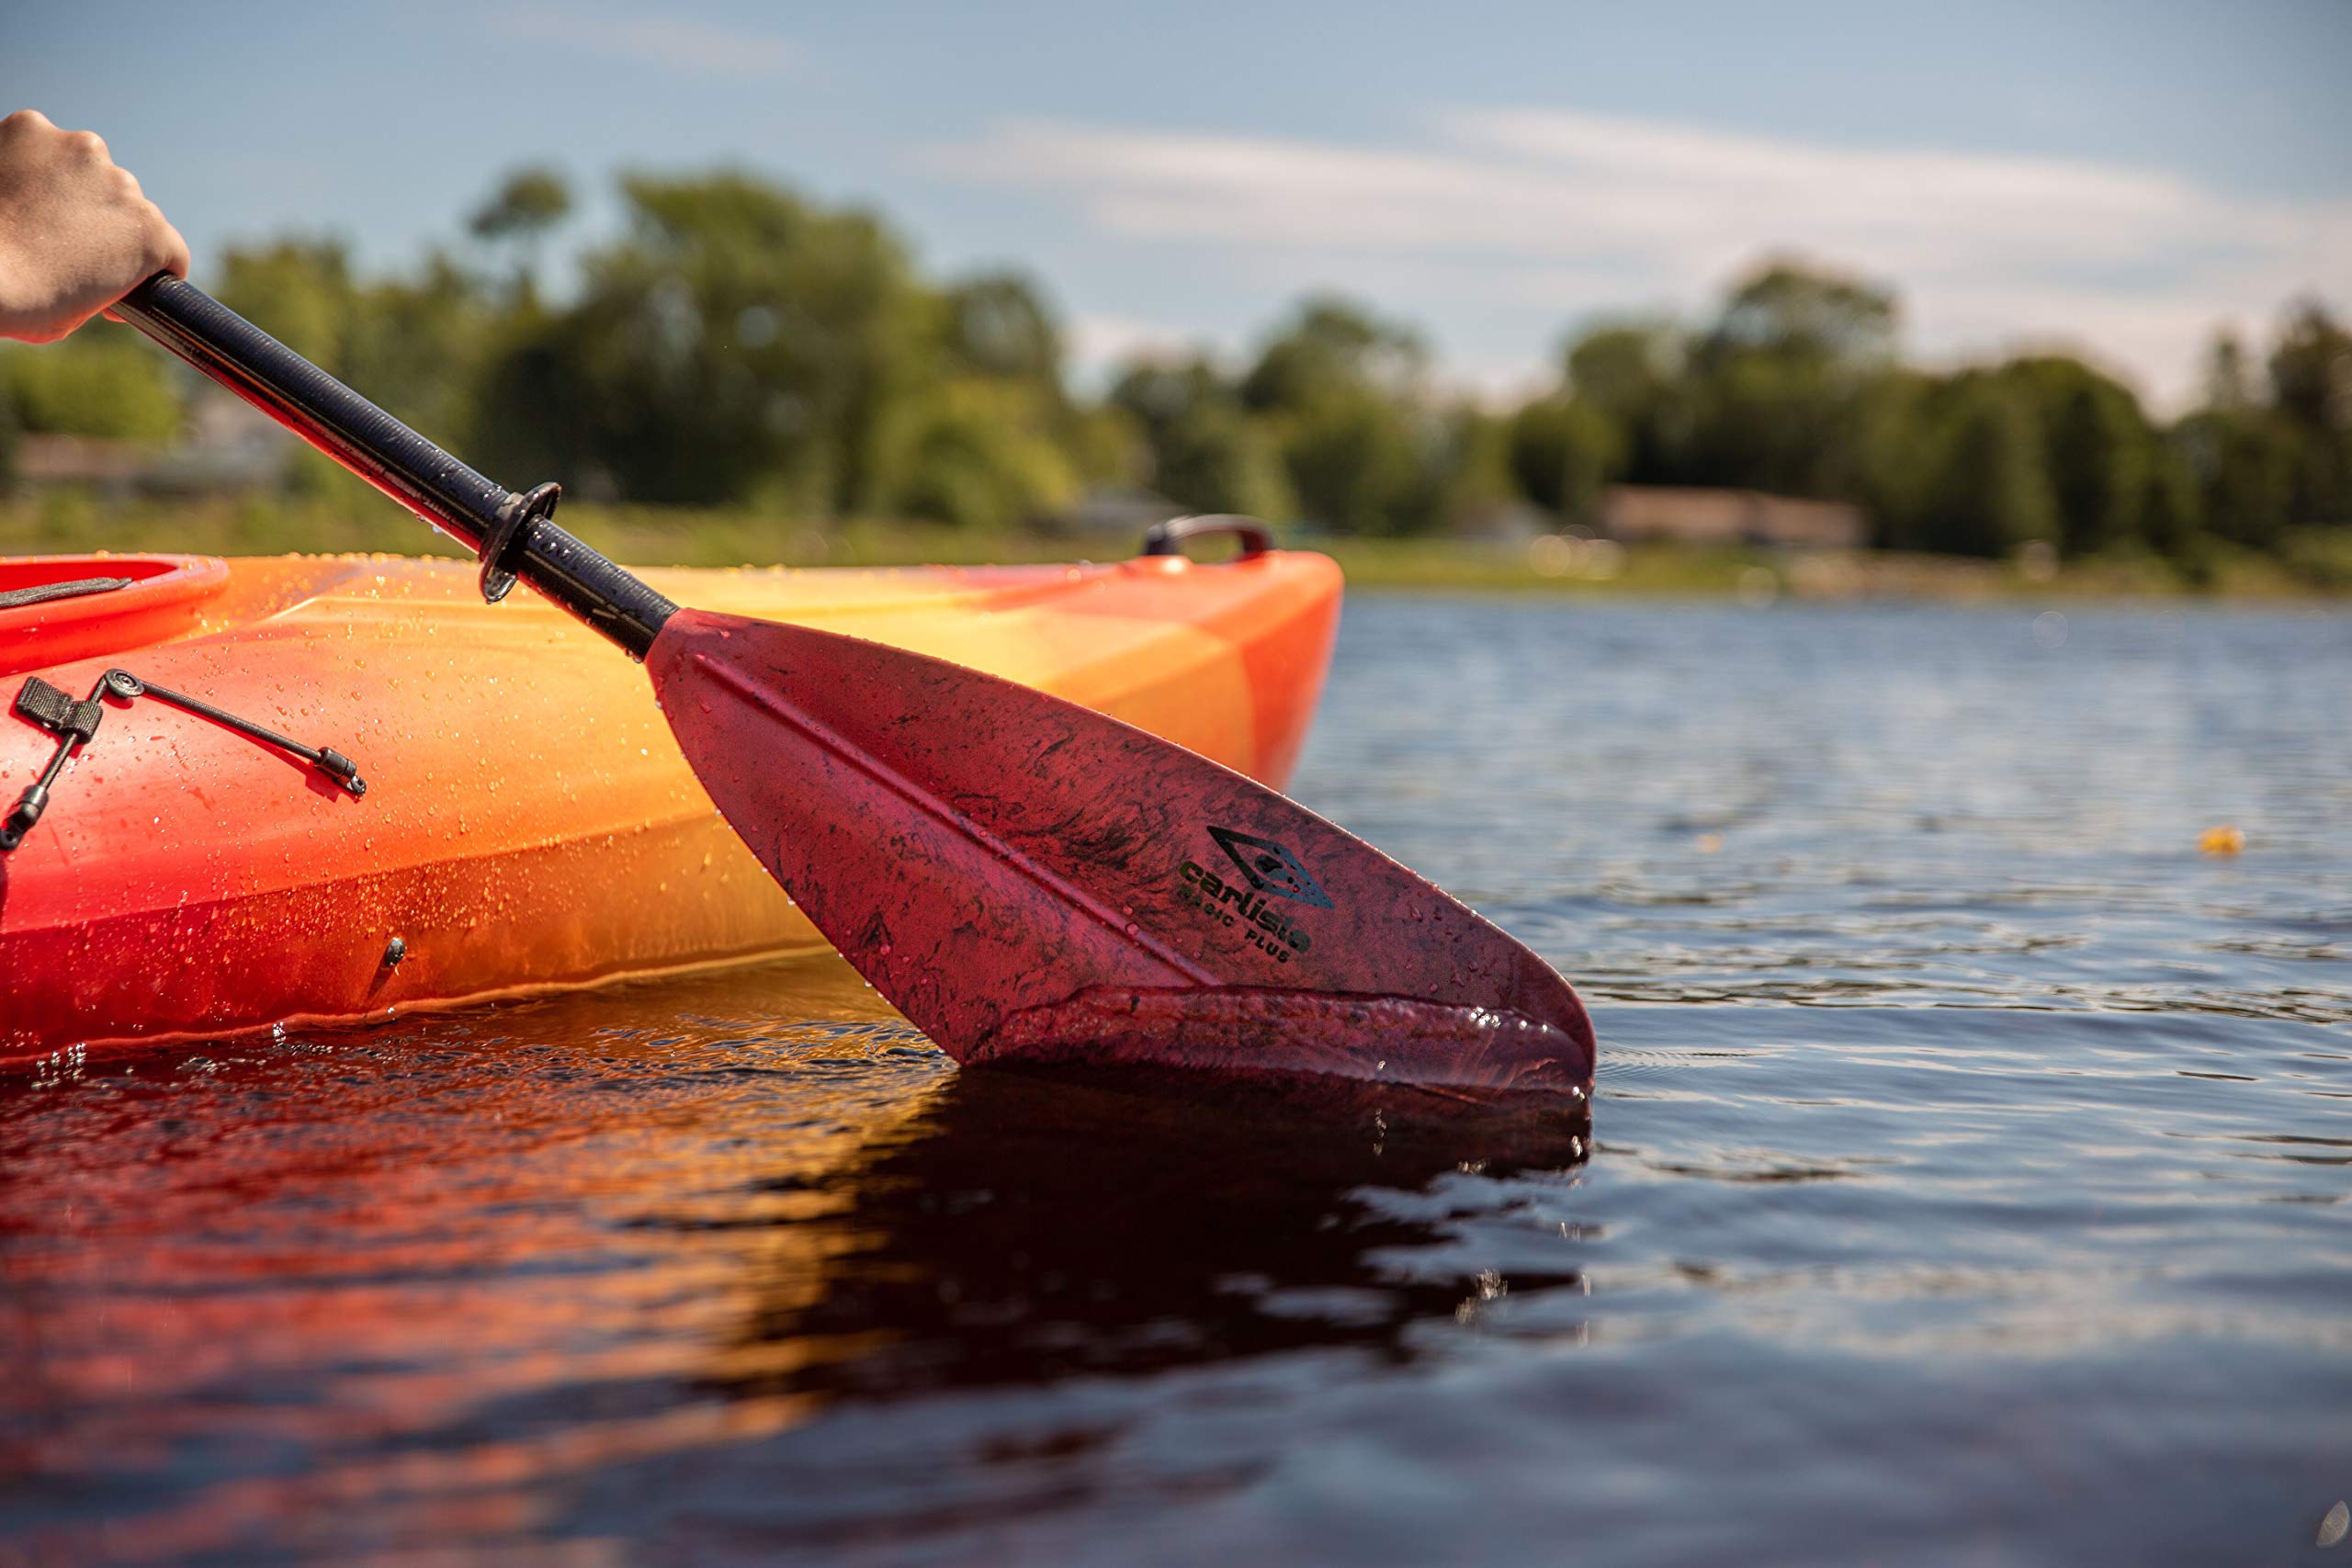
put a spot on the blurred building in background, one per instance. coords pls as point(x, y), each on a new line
point(225, 446)
point(1647, 514)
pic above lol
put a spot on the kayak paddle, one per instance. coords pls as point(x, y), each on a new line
point(1027, 880)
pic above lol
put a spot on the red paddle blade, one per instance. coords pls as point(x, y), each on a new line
point(1029, 880)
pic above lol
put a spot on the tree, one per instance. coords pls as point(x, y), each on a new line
point(997, 330)
point(103, 381)
point(1215, 459)
point(981, 454)
point(2244, 461)
point(1765, 421)
point(2311, 381)
point(1333, 348)
point(1339, 390)
point(1987, 491)
point(1896, 421)
point(1160, 393)
point(1779, 384)
point(1794, 312)
point(2260, 467)
point(418, 347)
point(997, 324)
point(2229, 382)
point(1637, 374)
point(739, 344)
point(1625, 368)
point(299, 291)
point(527, 206)
point(1207, 454)
point(1562, 450)
point(1363, 463)
point(1475, 462)
point(2172, 514)
point(2097, 448)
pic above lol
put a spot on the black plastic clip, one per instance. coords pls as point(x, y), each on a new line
point(53, 710)
point(511, 535)
point(76, 723)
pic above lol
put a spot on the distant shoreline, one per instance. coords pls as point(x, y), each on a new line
point(74, 523)
point(1764, 576)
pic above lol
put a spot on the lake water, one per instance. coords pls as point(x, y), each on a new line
point(1967, 1182)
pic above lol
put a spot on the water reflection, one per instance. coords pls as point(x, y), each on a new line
point(445, 1277)
point(1027, 1229)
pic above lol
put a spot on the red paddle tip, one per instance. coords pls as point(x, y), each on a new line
point(1031, 881)
point(1479, 1052)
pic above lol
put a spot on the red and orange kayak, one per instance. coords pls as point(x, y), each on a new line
point(527, 821)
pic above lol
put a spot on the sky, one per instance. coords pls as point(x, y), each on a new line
point(2119, 179)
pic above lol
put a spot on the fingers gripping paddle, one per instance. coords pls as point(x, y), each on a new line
point(1025, 879)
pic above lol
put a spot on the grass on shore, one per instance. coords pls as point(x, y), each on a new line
point(73, 523)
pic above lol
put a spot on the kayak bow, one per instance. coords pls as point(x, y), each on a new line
point(188, 880)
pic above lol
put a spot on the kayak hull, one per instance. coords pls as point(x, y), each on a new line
point(528, 822)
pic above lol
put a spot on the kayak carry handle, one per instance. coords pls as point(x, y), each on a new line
point(512, 533)
point(1168, 538)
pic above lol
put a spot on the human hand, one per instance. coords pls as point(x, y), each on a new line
point(75, 233)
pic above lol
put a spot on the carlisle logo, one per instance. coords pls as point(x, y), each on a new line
point(1274, 873)
point(1270, 867)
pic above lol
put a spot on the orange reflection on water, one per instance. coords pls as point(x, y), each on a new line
point(434, 1286)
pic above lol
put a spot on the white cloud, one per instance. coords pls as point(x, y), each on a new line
point(1554, 213)
point(672, 43)
point(1099, 342)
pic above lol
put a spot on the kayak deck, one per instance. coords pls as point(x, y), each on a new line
point(528, 821)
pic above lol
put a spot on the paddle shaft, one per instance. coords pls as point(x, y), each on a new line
point(510, 530)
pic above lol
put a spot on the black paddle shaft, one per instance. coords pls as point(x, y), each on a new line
point(510, 531)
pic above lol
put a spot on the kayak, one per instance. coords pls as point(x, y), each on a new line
point(342, 788)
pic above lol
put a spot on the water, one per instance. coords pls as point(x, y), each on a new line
point(1967, 1180)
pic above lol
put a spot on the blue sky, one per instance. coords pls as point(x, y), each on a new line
point(2121, 178)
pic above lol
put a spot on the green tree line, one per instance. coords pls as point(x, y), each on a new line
point(739, 344)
